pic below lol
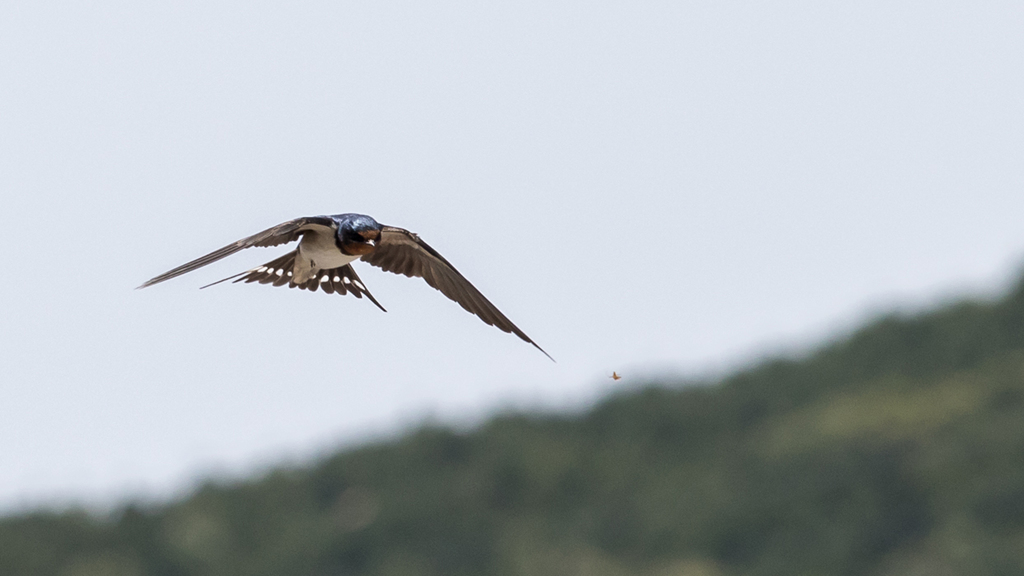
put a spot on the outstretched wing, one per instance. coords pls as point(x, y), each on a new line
point(281, 234)
point(402, 252)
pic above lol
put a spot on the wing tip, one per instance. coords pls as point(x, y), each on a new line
point(546, 354)
point(542, 351)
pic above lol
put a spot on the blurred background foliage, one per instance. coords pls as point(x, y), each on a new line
point(896, 450)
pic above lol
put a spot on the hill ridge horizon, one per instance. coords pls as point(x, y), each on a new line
point(869, 454)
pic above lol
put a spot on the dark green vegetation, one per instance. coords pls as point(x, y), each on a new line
point(898, 450)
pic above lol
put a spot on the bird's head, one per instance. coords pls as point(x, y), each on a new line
point(358, 234)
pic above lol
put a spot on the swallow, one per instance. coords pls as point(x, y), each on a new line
point(323, 260)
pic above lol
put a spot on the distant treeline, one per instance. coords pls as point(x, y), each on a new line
point(896, 451)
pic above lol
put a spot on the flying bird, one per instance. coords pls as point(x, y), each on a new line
point(323, 260)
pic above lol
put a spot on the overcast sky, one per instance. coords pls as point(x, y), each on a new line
point(644, 187)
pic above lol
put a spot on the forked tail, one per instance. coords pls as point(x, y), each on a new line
point(342, 280)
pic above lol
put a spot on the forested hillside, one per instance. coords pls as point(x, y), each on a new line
point(898, 450)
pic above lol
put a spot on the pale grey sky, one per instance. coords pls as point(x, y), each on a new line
point(640, 186)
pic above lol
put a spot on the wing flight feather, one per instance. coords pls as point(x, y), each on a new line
point(281, 234)
point(403, 252)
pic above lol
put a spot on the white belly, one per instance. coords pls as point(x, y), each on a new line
point(317, 251)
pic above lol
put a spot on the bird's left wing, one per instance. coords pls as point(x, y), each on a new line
point(281, 234)
point(402, 252)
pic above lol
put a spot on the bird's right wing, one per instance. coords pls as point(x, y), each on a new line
point(281, 234)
